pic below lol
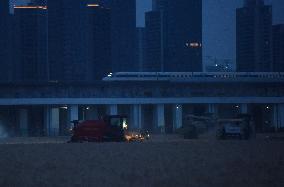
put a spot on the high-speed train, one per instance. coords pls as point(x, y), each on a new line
point(195, 76)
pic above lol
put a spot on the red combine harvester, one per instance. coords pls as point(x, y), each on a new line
point(110, 128)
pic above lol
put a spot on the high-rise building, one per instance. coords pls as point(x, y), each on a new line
point(254, 43)
point(4, 11)
point(5, 73)
point(253, 3)
point(153, 37)
point(185, 25)
point(98, 42)
point(67, 40)
point(278, 48)
point(67, 37)
point(39, 2)
point(140, 48)
point(159, 5)
point(123, 31)
point(175, 29)
point(79, 40)
point(31, 43)
point(4, 8)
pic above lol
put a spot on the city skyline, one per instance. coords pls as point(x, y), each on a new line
point(213, 24)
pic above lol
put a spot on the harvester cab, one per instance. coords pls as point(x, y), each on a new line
point(109, 128)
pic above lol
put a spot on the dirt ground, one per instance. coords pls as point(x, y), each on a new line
point(162, 161)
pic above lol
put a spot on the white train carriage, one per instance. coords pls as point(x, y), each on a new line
point(194, 76)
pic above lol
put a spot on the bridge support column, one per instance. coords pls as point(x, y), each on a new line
point(136, 117)
point(73, 114)
point(91, 113)
point(112, 110)
point(213, 108)
point(23, 120)
point(51, 120)
point(177, 116)
point(244, 108)
point(278, 116)
point(160, 117)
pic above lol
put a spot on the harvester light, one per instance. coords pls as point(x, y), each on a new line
point(124, 125)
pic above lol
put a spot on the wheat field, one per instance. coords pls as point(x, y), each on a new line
point(162, 161)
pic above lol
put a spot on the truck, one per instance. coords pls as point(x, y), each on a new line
point(110, 128)
point(240, 127)
point(194, 125)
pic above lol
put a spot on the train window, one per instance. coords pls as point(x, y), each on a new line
point(164, 76)
point(130, 76)
point(150, 76)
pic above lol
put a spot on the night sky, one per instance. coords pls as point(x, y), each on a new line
point(218, 24)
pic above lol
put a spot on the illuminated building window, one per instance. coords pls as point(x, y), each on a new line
point(93, 5)
point(193, 44)
point(30, 7)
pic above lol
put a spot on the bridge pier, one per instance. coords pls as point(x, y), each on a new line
point(278, 116)
point(91, 113)
point(244, 108)
point(51, 121)
point(23, 122)
point(136, 117)
point(112, 109)
point(177, 116)
point(73, 114)
point(159, 117)
point(213, 108)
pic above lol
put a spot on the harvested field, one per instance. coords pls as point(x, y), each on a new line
point(162, 161)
